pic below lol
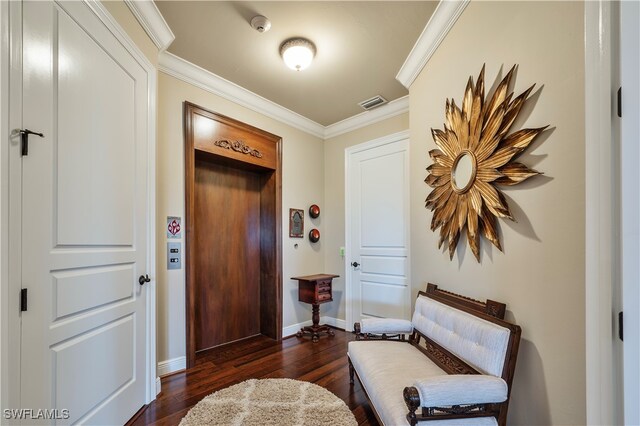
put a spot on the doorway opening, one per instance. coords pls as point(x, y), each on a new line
point(233, 231)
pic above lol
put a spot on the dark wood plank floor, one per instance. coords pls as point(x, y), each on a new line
point(323, 363)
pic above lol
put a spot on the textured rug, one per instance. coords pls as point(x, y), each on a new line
point(271, 402)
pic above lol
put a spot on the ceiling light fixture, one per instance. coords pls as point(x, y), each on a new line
point(297, 53)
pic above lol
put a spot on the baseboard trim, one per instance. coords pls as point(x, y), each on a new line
point(158, 385)
point(334, 322)
point(172, 365)
point(293, 329)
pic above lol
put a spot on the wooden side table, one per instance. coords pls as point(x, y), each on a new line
point(315, 289)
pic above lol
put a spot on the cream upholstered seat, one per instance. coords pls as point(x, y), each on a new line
point(386, 368)
point(384, 381)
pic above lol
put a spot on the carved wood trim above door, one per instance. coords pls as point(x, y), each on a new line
point(228, 147)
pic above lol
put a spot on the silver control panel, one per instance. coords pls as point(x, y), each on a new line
point(174, 255)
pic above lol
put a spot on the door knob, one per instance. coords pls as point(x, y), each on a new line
point(144, 279)
point(355, 264)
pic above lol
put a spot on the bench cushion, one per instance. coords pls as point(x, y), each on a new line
point(459, 389)
point(480, 343)
point(386, 325)
point(385, 368)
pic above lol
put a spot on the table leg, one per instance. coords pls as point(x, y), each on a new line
point(315, 314)
point(315, 330)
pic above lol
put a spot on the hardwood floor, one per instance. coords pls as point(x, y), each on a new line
point(323, 363)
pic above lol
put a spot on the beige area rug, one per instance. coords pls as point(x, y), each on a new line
point(271, 402)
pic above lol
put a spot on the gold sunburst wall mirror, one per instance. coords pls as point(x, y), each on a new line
point(475, 155)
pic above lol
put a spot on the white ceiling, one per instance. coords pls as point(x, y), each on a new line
point(360, 45)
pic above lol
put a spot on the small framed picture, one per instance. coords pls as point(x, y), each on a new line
point(296, 223)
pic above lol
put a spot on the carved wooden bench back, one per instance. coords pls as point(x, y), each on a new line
point(490, 311)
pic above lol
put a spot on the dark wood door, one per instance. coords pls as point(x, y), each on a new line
point(227, 252)
point(233, 218)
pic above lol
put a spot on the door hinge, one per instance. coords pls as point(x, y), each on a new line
point(23, 300)
point(620, 102)
point(620, 329)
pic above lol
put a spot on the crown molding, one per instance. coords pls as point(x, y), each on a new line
point(391, 109)
point(443, 18)
point(206, 80)
point(148, 15)
point(188, 72)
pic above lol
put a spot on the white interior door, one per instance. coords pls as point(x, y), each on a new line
point(84, 218)
point(378, 229)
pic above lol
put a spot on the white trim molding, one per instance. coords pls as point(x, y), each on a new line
point(442, 20)
point(393, 108)
point(150, 18)
point(599, 216)
point(9, 376)
point(172, 365)
point(190, 73)
point(291, 330)
point(629, 31)
point(335, 322)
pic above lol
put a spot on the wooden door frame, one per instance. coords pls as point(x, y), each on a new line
point(275, 331)
point(348, 152)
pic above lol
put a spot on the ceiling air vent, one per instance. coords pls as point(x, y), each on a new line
point(372, 103)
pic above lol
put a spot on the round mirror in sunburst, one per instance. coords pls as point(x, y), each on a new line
point(475, 155)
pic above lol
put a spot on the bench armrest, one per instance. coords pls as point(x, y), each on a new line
point(385, 326)
point(461, 389)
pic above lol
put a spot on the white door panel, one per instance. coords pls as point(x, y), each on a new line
point(84, 218)
point(76, 360)
point(95, 153)
point(385, 265)
point(381, 198)
point(79, 290)
point(383, 279)
point(383, 300)
point(378, 229)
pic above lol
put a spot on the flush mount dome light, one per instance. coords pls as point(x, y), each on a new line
point(297, 53)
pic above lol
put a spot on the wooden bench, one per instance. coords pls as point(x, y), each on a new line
point(454, 361)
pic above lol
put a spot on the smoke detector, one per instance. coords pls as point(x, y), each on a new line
point(372, 103)
point(260, 23)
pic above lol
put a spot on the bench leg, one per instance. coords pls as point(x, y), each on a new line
point(412, 399)
point(351, 370)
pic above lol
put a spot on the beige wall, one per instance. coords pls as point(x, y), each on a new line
point(540, 275)
point(333, 215)
point(302, 185)
point(123, 16)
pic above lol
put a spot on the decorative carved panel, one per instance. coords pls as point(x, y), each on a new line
point(238, 146)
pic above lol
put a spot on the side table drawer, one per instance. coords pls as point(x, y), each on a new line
point(324, 288)
point(324, 296)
